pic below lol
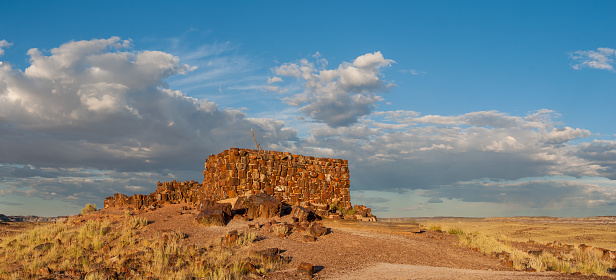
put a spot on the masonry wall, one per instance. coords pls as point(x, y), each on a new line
point(294, 179)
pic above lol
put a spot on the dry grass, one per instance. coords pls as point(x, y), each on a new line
point(89, 208)
point(138, 222)
point(541, 230)
point(587, 262)
point(85, 245)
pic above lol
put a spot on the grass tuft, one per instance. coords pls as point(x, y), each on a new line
point(89, 208)
point(455, 231)
point(138, 222)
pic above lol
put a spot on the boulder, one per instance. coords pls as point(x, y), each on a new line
point(262, 206)
point(231, 238)
point(305, 268)
point(317, 229)
point(300, 214)
point(218, 214)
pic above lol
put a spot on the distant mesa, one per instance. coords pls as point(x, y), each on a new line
point(249, 179)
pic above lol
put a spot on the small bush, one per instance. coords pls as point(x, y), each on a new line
point(435, 228)
point(175, 236)
point(246, 238)
point(89, 208)
point(455, 231)
point(138, 222)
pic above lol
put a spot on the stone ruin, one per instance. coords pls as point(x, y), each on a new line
point(305, 185)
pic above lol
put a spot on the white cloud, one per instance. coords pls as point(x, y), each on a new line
point(404, 150)
point(98, 105)
point(4, 44)
point(602, 58)
point(338, 97)
point(274, 80)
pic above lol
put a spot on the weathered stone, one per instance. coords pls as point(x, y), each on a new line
point(507, 263)
point(308, 238)
point(215, 215)
point(317, 230)
point(230, 238)
point(300, 213)
point(43, 247)
point(305, 268)
point(262, 206)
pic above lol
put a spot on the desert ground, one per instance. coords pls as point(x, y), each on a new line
point(172, 245)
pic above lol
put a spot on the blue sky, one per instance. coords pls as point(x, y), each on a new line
point(443, 108)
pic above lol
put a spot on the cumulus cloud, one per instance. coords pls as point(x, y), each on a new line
point(338, 97)
point(398, 150)
point(4, 44)
point(99, 106)
point(602, 58)
point(600, 152)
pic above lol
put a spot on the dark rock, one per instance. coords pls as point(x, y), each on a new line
point(230, 238)
point(305, 268)
point(507, 263)
point(262, 206)
point(317, 229)
point(43, 247)
point(535, 253)
point(308, 238)
point(218, 214)
point(300, 213)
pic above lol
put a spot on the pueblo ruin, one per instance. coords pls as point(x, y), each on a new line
point(260, 184)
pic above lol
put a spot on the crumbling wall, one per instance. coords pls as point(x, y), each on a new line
point(167, 192)
point(294, 179)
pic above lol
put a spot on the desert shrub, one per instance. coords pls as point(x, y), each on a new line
point(89, 208)
point(138, 222)
point(591, 262)
point(435, 227)
point(455, 231)
point(175, 236)
point(245, 238)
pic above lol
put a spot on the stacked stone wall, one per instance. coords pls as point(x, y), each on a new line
point(294, 179)
point(166, 193)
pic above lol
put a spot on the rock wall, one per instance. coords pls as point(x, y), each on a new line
point(294, 179)
point(166, 193)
